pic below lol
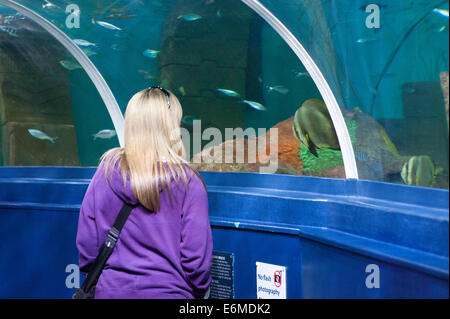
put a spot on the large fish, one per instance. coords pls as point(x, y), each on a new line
point(419, 171)
point(313, 126)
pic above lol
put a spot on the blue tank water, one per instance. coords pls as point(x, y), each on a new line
point(332, 236)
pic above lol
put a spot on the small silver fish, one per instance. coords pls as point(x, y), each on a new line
point(84, 43)
point(70, 65)
point(255, 105)
point(365, 40)
point(279, 88)
point(120, 16)
point(408, 89)
point(119, 47)
point(441, 12)
point(104, 134)
point(89, 52)
point(106, 25)
point(10, 30)
point(147, 75)
point(49, 5)
point(190, 17)
point(299, 74)
point(9, 19)
point(41, 135)
point(151, 54)
point(229, 92)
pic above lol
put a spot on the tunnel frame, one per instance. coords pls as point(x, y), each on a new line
point(351, 170)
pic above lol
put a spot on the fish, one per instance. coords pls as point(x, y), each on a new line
point(120, 16)
point(188, 120)
point(151, 54)
point(388, 142)
point(441, 29)
point(182, 91)
point(441, 12)
point(84, 43)
point(147, 75)
point(49, 5)
point(255, 105)
point(419, 171)
point(89, 52)
point(119, 10)
point(104, 134)
point(279, 88)
point(219, 14)
point(365, 40)
point(229, 92)
point(10, 30)
point(120, 47)
point(41, 135)
point(190, 17)
point(314, 128)
point(106, 25)
point(361, 156)
point(299, 74)
point(207, 2)
point(9, 19)
point(70, 65)
point(407, 88)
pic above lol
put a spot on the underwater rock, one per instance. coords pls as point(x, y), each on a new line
point(288, 147)
point(381, 156)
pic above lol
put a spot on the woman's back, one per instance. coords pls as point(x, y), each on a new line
point(165, 247)
point(163, 254)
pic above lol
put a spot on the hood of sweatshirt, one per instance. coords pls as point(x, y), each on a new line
point(125, 192)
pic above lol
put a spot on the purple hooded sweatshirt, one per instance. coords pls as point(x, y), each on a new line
point(159, 255)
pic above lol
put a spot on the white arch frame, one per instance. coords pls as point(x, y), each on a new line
point(345, 143)
point(351, 170)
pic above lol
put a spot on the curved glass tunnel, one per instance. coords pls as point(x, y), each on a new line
point(387, 79)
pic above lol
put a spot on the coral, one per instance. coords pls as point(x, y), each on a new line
point(327, 158)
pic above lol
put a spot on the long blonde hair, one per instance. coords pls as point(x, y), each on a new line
point(154, 153)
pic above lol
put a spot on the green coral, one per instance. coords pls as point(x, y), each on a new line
point(327, 158)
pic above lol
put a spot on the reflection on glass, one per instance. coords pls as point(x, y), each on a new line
point(50, 112)
point(387, 64)
point(231, 70)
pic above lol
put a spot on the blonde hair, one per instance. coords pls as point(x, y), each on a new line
point(154, 153)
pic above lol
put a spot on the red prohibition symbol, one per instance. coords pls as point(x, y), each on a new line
point(277, 278)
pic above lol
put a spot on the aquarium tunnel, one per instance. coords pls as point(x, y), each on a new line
point(320, 128)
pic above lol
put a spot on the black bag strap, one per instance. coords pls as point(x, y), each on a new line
point(106, 249)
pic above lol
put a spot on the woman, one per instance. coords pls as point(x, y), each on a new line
point(165, 247)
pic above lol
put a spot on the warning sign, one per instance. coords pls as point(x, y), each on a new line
point(270, 281)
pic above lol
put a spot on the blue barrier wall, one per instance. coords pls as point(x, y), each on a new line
point(324, 231)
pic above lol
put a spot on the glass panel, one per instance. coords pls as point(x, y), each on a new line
point(228, 67)
point(49, 109)
point(388, 67)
